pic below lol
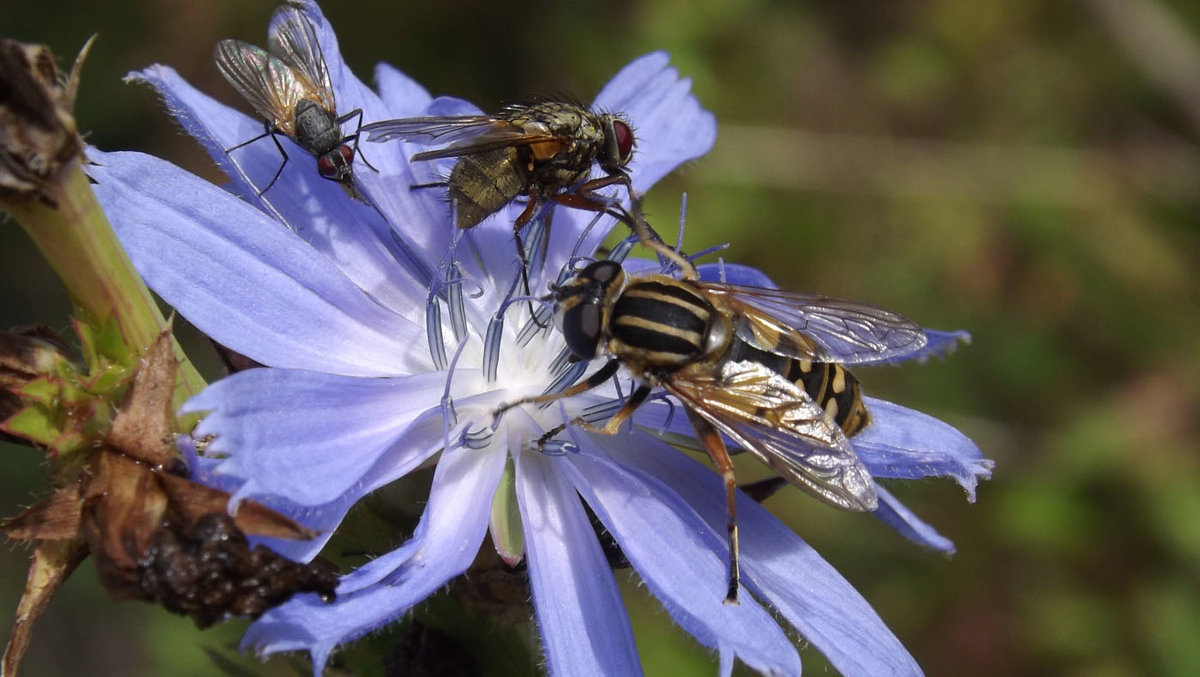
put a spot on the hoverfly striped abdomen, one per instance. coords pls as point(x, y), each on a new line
point(662, 322)
point(834, 388)
point(830, 385)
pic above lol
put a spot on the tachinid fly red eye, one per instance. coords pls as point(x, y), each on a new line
point(624, 140)
point(545, 150)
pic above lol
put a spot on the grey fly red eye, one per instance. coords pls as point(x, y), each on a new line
point(325, 167)
point(336, 164)
point(624, 140)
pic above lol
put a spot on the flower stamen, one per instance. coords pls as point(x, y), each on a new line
point(495, 333)
point(449, 415)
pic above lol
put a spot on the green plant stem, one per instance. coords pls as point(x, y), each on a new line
point(77, 240)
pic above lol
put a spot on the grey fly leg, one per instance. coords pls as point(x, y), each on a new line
point(268, 131)
point(354, 137)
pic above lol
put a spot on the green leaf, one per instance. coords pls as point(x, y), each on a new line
point(34, 424)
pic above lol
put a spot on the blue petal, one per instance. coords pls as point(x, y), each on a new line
point(941, 343)
point(781, 568)
point(442, 547)
point(681, 559)
point(906, 444)
point(243, 278)
point(448, 106)
point(669, 124)
point(580, 614)
point(894, 514)
point(403, 96)
point(419, 443)
point(309, 436)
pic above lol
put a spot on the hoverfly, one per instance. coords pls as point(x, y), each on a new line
point(289, 87)
point(760, 366)
point(543, 150)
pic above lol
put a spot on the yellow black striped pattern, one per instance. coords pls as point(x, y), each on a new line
point(835, 389)
point(662, 322)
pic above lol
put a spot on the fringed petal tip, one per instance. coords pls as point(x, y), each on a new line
point(903, 443)
point(942, 343)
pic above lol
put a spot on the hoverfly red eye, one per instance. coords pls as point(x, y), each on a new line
point(624, 140)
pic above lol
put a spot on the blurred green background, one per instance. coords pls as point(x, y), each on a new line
point(1023, 169)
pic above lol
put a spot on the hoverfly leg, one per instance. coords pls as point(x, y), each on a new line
point(612, 426)
point(715, 446)
point(354, 137)
point(602, 374)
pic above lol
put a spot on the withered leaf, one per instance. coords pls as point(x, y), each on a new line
point(52, 563)
point(154, 534)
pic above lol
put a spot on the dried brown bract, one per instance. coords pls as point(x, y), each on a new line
point(38, 137)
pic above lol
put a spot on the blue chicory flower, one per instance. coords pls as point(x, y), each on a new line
point(384, 351)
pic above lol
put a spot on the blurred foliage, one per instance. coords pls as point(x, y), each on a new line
point(1026, 170)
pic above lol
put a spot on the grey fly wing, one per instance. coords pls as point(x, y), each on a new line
point(245, 67)
point(293, 40)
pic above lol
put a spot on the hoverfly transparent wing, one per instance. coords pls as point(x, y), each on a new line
point(293, 40)
point(247, 69)
point(813, 327)
point(777, 422)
